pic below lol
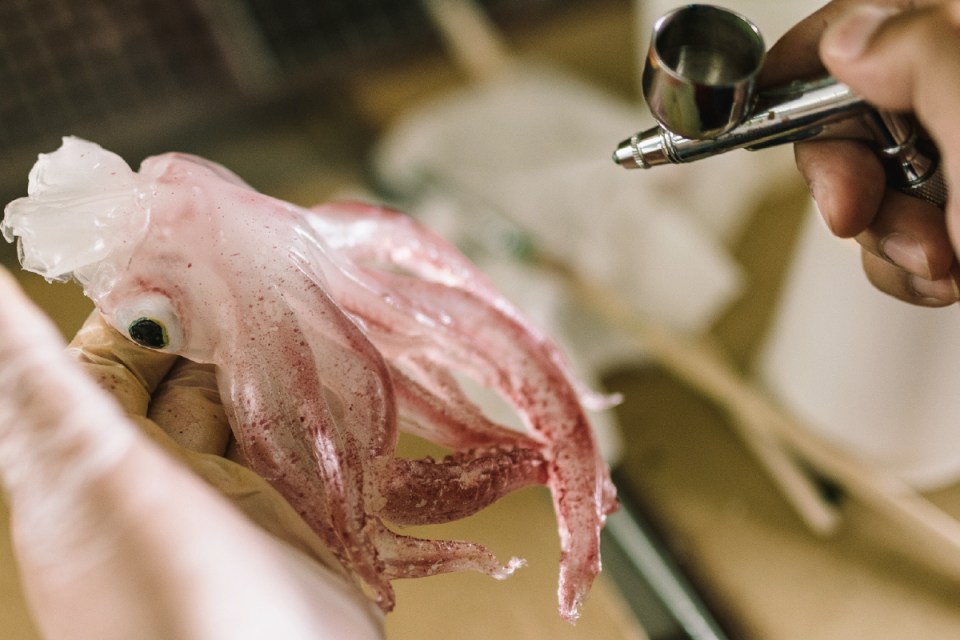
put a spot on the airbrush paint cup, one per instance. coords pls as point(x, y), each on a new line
point(701, 66)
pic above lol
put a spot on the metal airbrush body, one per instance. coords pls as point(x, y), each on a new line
point(699, 82)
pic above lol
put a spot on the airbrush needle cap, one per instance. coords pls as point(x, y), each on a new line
point(623, 155)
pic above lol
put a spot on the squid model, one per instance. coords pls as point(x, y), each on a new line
point(331, 329)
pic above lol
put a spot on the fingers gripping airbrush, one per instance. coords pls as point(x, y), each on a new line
point(699, 81)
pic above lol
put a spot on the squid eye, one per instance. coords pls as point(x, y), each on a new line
point(149, 333)
point(150, 321)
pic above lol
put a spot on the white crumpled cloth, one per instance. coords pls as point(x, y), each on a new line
point(870, 373)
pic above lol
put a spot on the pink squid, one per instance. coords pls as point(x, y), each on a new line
point(331, 329)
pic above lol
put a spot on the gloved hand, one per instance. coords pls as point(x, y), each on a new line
point(127, 521)
point(901, 55)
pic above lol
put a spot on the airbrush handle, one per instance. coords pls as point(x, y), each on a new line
point(910, 168)
point(932, 188)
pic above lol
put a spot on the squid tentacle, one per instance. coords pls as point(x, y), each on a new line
point(344, 418)
point(432, 492)
point(450, 419)
point(410, 557)
point(308, 463)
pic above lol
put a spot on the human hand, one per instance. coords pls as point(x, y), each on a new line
point(900, 55)
point(115, 537)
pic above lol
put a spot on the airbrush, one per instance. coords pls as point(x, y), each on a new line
point(699, 82)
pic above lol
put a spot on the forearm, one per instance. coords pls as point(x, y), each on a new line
point(51, 417)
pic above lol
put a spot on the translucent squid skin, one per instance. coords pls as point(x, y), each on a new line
point(332, 329)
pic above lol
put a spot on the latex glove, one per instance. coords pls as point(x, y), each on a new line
point(901, 55)
point(115, 537)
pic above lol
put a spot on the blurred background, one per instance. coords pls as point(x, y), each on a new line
point(708, 295)
point(143, 75)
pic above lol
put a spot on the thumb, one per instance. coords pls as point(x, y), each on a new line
point(907, 61)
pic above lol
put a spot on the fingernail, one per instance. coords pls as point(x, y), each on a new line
point(942, 290)
point(906, 253)
point(848, 37)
